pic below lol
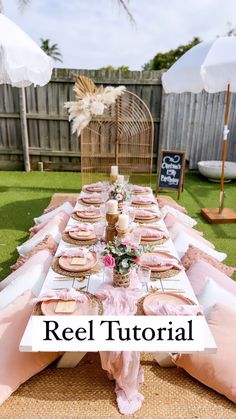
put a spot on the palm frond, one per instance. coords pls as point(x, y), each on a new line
point(83, 85)
point(123, 4)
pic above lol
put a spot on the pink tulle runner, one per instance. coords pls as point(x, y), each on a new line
point(176, 310)
point(124, 367)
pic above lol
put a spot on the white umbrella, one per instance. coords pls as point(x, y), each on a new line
point(22, 63)
point(209, 66)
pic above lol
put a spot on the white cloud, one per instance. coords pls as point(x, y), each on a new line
point(96, 33)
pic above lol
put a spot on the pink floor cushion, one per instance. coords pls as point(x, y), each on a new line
point(200, 270)
point(162, 201)
point(17, 367)
point(47, 243)
point(194, 253)
point(54, 228)
point(170, 221)
point(167, 209)
point(30, 275)
point(216, 371)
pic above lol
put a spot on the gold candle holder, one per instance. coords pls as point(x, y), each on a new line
point(113, 178)
point(111, 232)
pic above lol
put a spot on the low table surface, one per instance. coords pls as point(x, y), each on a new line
point(94, 281)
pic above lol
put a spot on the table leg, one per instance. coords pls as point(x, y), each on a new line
point(163, 359)
point(70, 359)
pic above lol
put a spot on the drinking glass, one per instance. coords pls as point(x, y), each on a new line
point(126, 179)
point(99, 230)
point(135, 237)
point(131, 214)
point(144, 275)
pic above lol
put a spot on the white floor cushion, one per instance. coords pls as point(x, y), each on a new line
point(212, 294)
point(28, 279)
point(183, 240)
point(67, 207)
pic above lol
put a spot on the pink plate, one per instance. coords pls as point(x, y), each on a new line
point(146, 217)
point(88, 214)
point(86, 308)
point(76, 235)
point(65, 263)
point(161, 298)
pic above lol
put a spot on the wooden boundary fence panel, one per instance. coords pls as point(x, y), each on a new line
point(50, 138)
point(189, 122)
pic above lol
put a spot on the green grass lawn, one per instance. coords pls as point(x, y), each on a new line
point(23, 196)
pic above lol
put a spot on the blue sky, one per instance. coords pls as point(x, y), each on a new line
point(96, 33)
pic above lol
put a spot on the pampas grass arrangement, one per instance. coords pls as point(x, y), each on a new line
point(90, 101)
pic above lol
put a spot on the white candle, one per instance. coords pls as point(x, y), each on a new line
point(114, 170)
point(120, 179)
point(112, 206)
point(123, 222)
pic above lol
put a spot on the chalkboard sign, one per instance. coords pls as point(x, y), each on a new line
point(171, 170)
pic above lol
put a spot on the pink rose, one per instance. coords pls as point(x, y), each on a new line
point(109, 261)
point(119, 197)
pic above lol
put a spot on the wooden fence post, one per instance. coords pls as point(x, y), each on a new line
point(24, 129)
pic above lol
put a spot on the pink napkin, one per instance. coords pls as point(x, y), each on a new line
point(144, 213)
point(75, 252)
point(66, 295)
point(155, 260)
point(176, 310)
point(124, 367)
point(96, 185)
point(80, 227)
point(143, 199)
point(137, 188)
point(92, 196)
point(148, 232)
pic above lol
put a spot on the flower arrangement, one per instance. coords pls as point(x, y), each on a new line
point(122, 255)
point(91, 101)
point(120, 192)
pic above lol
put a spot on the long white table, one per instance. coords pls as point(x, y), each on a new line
point(179, 282)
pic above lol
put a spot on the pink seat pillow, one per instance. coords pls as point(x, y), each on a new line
point(17, 367)
point(200, 270)
point(217, 371)
point(193, 254)
point(163, 200)
point(170, 221)
point(47, 243)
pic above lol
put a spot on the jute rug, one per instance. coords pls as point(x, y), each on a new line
point(85, 392)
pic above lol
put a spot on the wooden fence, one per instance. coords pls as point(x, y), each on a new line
point(50, 138)
point(194, 123)
point(185, 122)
